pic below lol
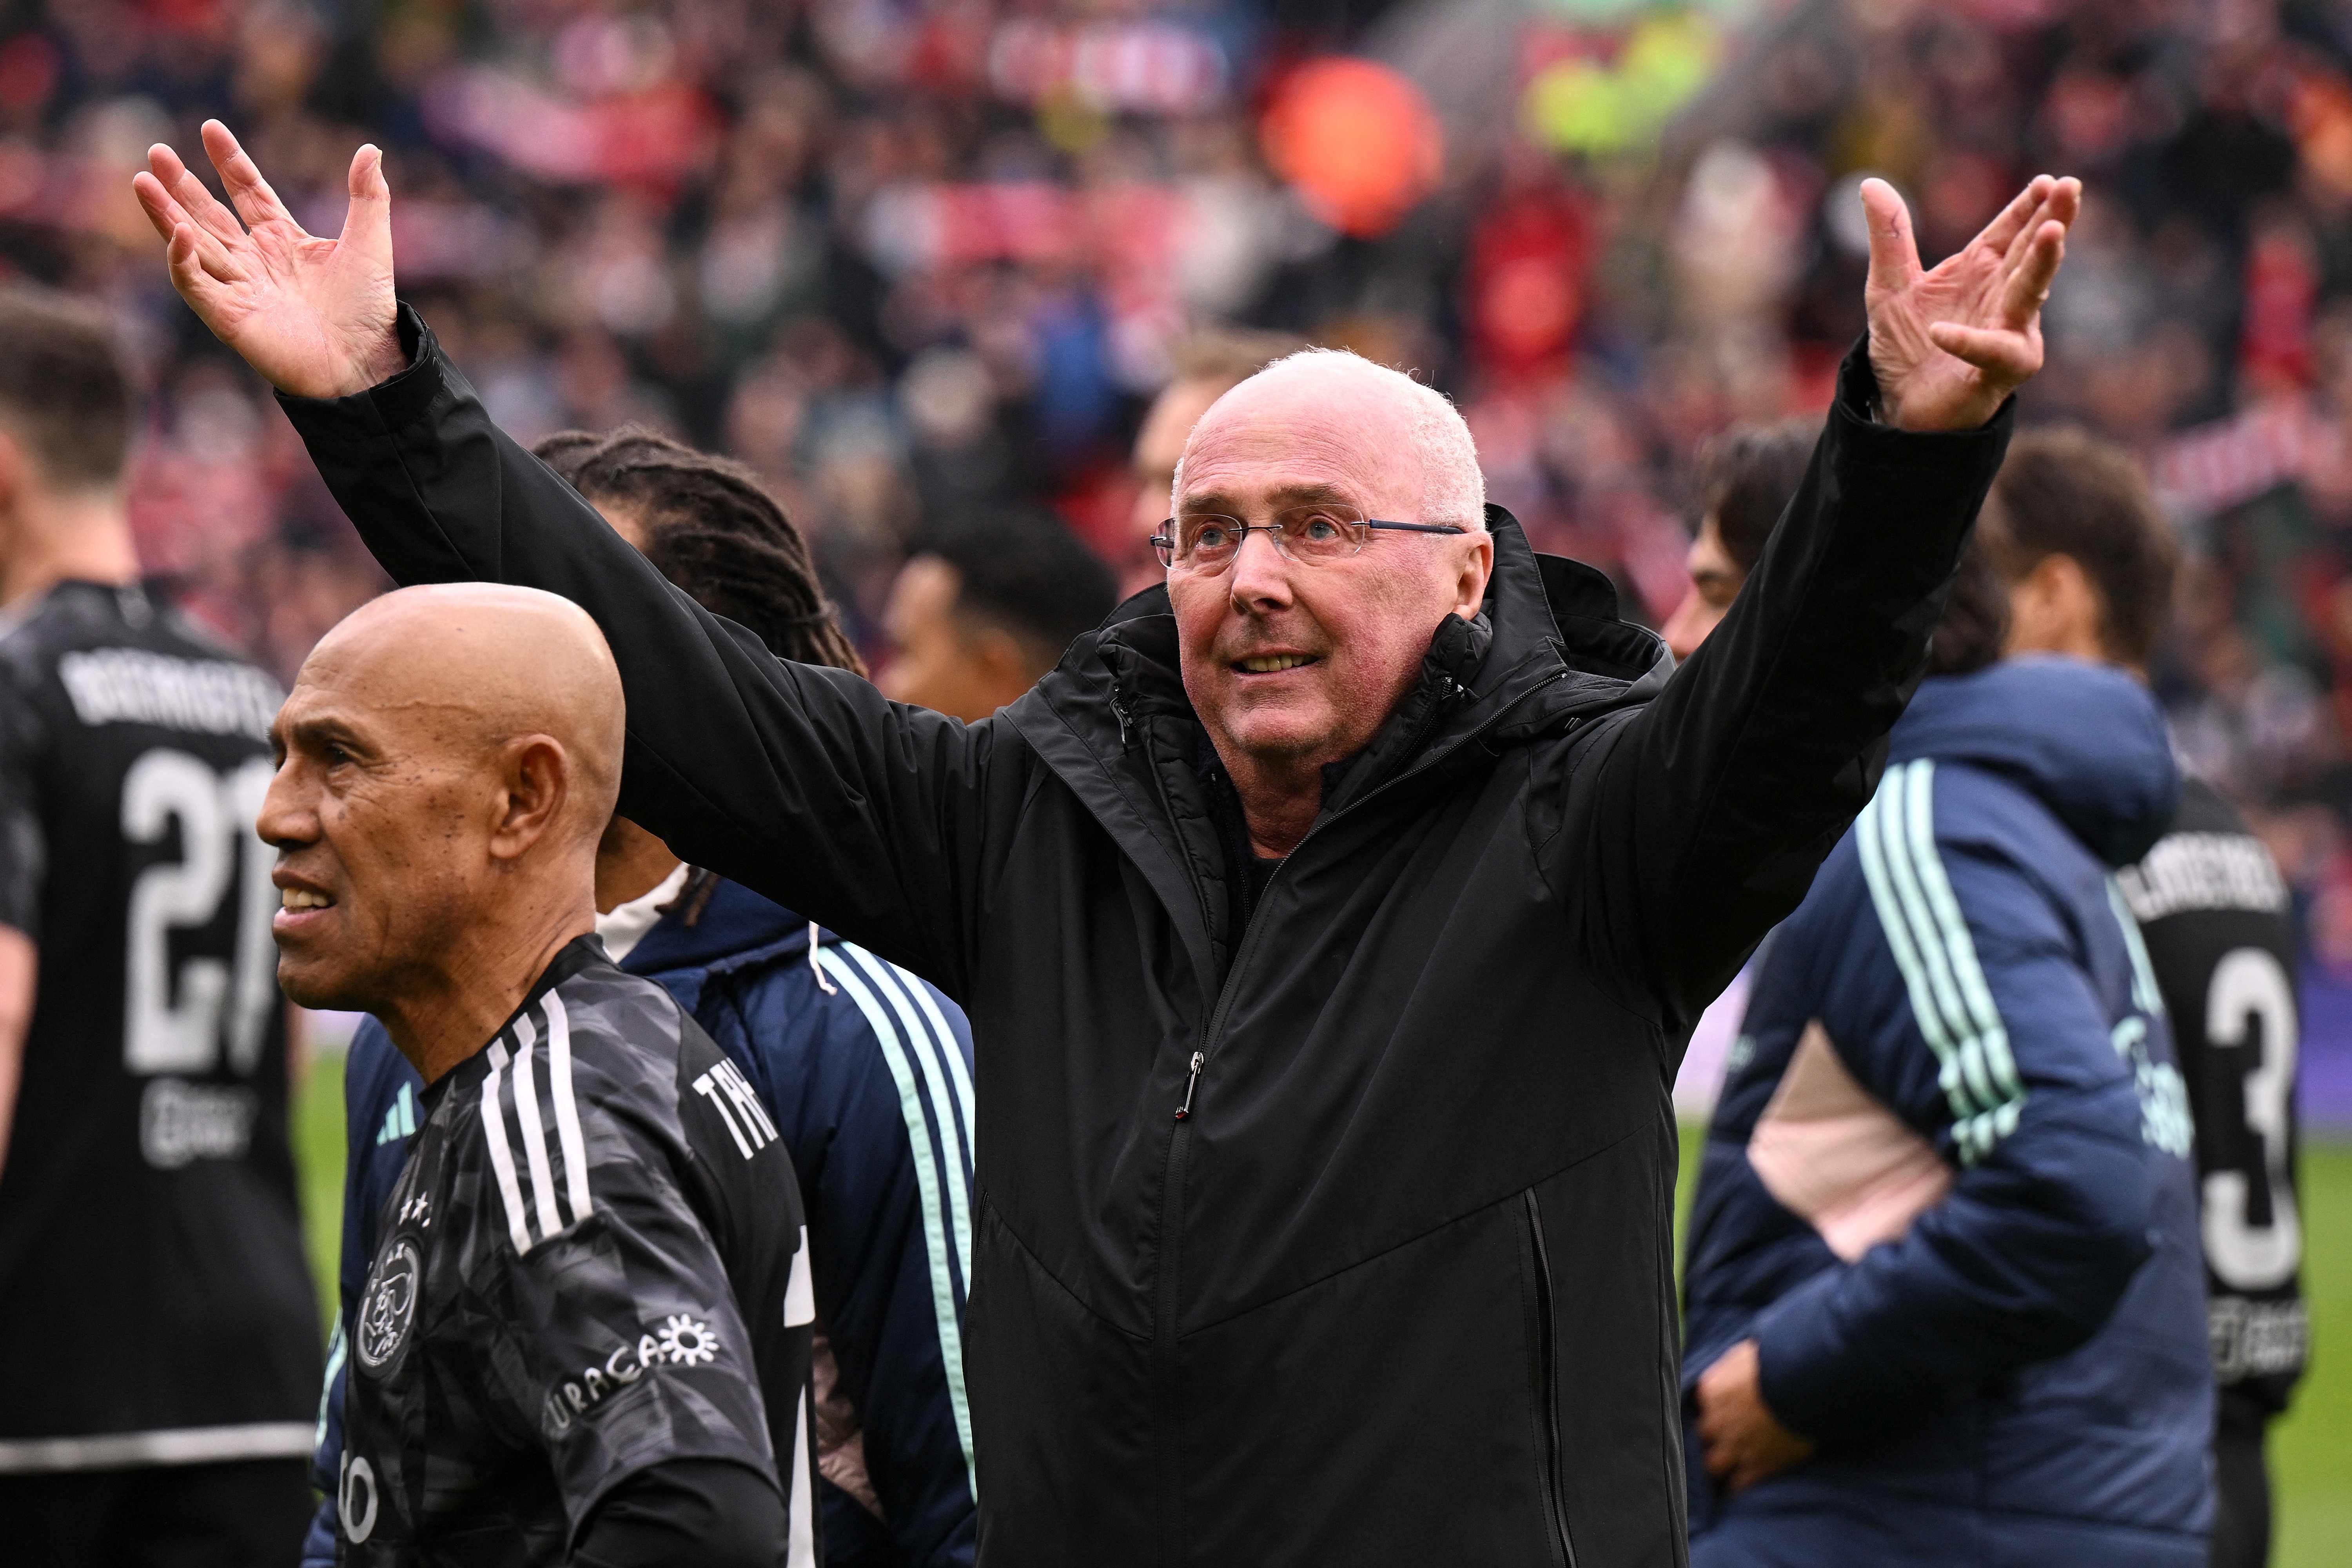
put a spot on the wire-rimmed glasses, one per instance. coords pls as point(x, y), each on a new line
point(1207, 542)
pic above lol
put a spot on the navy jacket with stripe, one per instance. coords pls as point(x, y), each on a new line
point(867, 1072)
point(1985, 1307)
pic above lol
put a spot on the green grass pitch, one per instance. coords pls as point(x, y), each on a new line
point(2311, 1450)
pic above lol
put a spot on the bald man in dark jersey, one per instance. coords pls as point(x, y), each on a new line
point(586, 1334)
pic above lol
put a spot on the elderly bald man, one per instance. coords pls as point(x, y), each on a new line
point(586, 1334)
point(1330, 921)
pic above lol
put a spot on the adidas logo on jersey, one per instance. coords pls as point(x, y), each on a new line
point(400, 1121)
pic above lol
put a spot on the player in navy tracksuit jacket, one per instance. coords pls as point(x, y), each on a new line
point(1948, 1189)
point(867, 1072)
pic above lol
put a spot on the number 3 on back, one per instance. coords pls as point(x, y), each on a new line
point(2248, 985)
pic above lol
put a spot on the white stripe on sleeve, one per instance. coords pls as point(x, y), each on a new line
point(1909, 789)
point(1928, 933)
point(893, 983)
point(534, 1135)
point(954, 1054)
point(799, 1294)
point(169, 1445)
point(927, 1182)
point(567, 1108)
point(1988, 1030)
point(801, 1550)
point(494, 1133)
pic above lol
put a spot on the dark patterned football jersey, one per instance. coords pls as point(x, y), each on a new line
point(594, 1262)
point(151, 1270)
point(2213, 907)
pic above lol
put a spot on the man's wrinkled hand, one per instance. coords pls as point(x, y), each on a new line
point(1744, 1441)
point(1949, 343)
point(313, 316)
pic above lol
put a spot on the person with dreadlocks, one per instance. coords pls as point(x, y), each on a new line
point(865, 1070)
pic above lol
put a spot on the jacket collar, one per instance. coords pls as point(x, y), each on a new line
point(716, 924)
point(1546, 622)
point(1546, 652)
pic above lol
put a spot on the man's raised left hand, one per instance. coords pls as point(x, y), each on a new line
point(314, 316)
point(1951, 342)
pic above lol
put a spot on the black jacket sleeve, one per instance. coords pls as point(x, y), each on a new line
point(687, 1513)
point(1700, 818)
point(733, 752)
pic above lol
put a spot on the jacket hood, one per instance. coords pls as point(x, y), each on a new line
point(2088, 742)
point(717, 925)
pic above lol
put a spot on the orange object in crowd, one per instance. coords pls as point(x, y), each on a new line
point(1358, 139)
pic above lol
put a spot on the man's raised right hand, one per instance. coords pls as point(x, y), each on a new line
point(314, 316)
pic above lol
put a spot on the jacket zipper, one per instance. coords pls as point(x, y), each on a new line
point(1180, 1146)
point(1249, 936)
point(1548, 1380)
point(1192, 1081)
point(1171, 1190)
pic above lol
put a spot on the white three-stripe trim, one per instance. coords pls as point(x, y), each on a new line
point(567, 1109)
point(494, 1133)
point(544, 1193)
point(945, 1194)
point(934, 1054)
point(534, 1132)
point(1929, 937)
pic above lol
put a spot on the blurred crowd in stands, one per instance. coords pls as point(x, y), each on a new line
point(916, 260)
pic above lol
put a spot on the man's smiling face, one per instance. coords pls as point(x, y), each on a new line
point(1292, 665)
point(378, 810)
point(446, 762)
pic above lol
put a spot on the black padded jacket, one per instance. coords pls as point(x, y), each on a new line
point(1398, 1288)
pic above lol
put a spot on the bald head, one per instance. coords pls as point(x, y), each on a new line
point(474, 666)
point(1406, 437)
point(449, 757)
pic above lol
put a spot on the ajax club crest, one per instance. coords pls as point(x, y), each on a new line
point(389, 1306)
